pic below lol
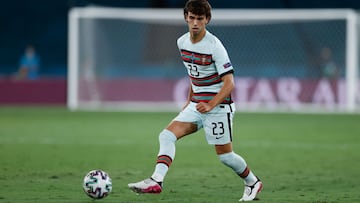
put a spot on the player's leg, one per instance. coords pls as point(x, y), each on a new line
point(231, 159)
point(166, 155)
point(184, 124)
point(167, 139)
point(228, 157)
point(218, 129)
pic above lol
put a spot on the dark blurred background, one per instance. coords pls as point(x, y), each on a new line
point(44, 25)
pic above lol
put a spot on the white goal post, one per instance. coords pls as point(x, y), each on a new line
point(126, 58)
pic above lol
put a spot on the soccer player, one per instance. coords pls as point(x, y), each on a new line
point(209, 104)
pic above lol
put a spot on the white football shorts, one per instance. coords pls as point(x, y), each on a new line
point(217, 123)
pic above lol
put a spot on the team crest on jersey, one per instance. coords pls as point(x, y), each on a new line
point(203, 59)
point(227, 65)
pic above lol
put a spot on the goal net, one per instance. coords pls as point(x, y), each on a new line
point(284, 60)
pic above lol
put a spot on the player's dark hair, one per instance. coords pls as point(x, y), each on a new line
point(198, 7)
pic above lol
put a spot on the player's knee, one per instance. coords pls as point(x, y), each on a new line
point(226, 158)
point(234, 161)
point(167, 141)
point(167, 136)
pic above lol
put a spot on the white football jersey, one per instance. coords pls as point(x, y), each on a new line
point(206, 62)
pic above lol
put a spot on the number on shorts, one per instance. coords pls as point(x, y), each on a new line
point(218, 128)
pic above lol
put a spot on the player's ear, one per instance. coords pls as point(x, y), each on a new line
point(185, 17)
point(208, 20)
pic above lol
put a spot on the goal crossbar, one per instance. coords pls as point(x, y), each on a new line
point(220, 16)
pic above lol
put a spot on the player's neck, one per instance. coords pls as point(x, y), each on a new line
point(195, 38)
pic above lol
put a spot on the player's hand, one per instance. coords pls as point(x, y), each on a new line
point(203, 107)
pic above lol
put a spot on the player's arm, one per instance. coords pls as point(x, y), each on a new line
point(224, 92)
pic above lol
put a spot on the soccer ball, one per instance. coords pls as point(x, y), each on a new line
point(97, 184)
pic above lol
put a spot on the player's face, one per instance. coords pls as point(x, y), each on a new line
point(196, 23)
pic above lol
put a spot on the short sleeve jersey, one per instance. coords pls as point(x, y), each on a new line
point(206, 62)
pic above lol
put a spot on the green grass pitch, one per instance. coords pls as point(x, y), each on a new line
point(46, 151)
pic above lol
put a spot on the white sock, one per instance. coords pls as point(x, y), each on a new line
point(239, 166)
point(166, 155)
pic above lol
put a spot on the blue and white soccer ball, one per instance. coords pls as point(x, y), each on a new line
point(97, 184)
